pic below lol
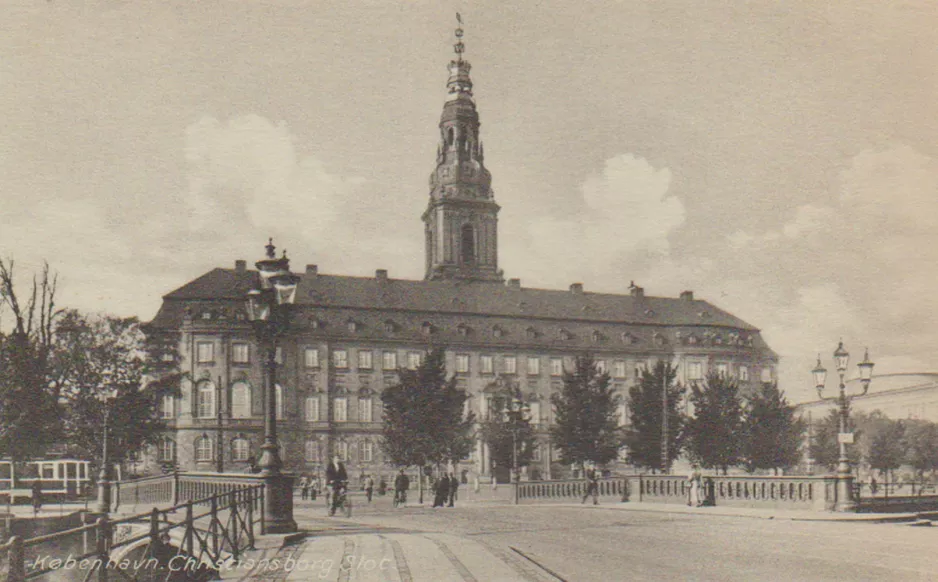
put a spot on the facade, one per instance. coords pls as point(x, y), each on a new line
point(898, 396)
point(350, 335)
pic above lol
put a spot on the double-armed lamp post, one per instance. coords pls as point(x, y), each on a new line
point(268, 310)
point(845, 496)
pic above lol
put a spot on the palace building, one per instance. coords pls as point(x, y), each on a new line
point(349, 335)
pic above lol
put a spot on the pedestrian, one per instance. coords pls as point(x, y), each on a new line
point(304, 487)
point(592, 486)
point(874, 486)
point(37, 495)
point(694, 478)
point(313, 487)
point(369, 487)
point(382, 487)
point(441, 491)
point(337, 481)
point(453, 486)
point(401, 485)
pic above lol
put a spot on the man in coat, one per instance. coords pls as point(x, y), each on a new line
point(441, 490)
point(453, 486)
point(401, 485)
point(336, 479)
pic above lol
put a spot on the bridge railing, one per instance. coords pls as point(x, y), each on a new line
point(192, 537)
point(571, 489)
point(175, 488)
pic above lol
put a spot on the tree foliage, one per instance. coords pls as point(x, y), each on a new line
point(772, 433)
point(646, 405)
point(921, 441)
point(586, 427)
point(507, 428)
point(29, 411)
point(424, 422)
point(825, 450)
point(887, 446)
point(715, 432)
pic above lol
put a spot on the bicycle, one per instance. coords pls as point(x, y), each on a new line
point(340, 500)
point(400, 497)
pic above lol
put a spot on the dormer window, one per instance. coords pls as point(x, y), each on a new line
point(352, 325)
point(565, 335)
point(206, 315)
point(628, 338)
point(717, 340)
point(692, 340)
point(462, 329)
point(497, 331)
point(659, 339)
point(596, 336)
point(427, 328)
point(531, 333)
point(315, 323)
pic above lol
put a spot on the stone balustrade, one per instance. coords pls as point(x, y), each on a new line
point(616, 489)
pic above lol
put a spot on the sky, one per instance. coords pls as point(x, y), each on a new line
point(778, 159)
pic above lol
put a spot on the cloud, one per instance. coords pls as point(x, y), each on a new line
point(626, 214)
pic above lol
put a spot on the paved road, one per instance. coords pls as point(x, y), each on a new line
point(492, 543)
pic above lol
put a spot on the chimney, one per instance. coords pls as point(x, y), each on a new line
point(576, 287)
point(381, 275)
point(637, 291)
point(687, 295)
point(241, 266)
point(312, 270)
point(514, 283)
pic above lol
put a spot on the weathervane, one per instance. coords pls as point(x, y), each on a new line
point(459, 47)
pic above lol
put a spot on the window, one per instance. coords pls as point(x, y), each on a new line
point(240, 449)
point(640, 368)
point(341, 450)
point(311, 451)
point(205, 352)
point(694, 371)
point(366, 451)
point(723, 369)
point(618, 369)
point(340, 359)
point(206, 400)
point(278, 355)
point(536, 453)
point(311, 357)
point(278, 396)
point(240, 400)
point(510, 365)
point(389, 360)
point(204, 449)
point(462, 363)
point(467, 246)
point(364, 409)
point(413, 360)
point(534, 365)
point(168, 357)
point(497, 331)
point(767, 374)
point(168, 408)
point(167, 450)
point(486, 363)
point(364, 359)
point(743, 374)
point(556, 366)
point(622, 414)
point(352, 326)
point(340, 410)
point(535, 412)
point(312, 408)
point(488, 405)
point(240, 353)
point(601, 366)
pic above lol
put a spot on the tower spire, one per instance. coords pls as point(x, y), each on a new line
point(461, 218)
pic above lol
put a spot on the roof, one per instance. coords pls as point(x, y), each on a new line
point(462, 297)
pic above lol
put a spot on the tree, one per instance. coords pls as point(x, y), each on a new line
point(507, 429)
point(824, 448)
point(424, 423)
point(921, 442)
point(646, 399)
point(772, 433)
point(714, 434)
point(887, 447)
point(29, 411)
point(585, 427)
point(103, 362)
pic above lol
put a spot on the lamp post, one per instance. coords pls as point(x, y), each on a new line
point(268, 309)
point(106, 398)
point(845, 497)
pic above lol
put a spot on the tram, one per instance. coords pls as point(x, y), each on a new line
point(61, 479)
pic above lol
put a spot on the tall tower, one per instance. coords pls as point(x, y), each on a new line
point(461, 220)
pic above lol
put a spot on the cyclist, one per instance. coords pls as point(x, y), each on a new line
point(336, 479)
point(401, 485)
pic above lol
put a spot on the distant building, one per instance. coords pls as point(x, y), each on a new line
point(898, 396)
point(351, 334)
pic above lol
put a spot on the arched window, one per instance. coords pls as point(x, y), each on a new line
point(279, 405)
point(167, 450)
point(241, 400)
point(468, 244)
point(206, 400)
point(204, 449)
point(240, 449)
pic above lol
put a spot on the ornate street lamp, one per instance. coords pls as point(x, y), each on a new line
point(268, 309)
point(106, 398)
point(845, 496)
